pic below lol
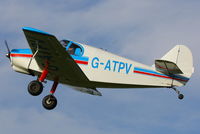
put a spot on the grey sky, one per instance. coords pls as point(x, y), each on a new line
point(142, 30)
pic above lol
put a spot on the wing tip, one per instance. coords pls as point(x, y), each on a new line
point(35, 30)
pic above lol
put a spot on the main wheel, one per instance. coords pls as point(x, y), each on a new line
point(35, 88)
point(49, 102)
point(180, 96)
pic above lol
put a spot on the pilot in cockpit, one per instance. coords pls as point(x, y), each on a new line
point(73, 49)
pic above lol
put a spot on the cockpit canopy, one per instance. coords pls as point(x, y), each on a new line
point(72, 48)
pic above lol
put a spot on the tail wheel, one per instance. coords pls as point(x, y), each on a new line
point(180, 96)
point(49, 102)
point(35, 88)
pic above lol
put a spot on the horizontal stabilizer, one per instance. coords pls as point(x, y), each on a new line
point(167, 67)
point(176, 63)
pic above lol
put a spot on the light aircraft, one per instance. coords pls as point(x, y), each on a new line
point(87, 68)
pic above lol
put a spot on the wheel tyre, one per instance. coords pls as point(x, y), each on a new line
point(35, 88)
point(49, 102)
point(180, 96)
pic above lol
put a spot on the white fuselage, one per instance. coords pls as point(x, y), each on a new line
point(103, 69)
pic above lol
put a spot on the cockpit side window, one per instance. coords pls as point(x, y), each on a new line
point(72, 48)
point(75, 49)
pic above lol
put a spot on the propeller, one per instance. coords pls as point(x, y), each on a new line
point(8, 54)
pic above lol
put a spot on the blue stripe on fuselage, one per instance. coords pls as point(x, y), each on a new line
point(148, 71)
point(28, 51)
point(157, 73)
point(21, 51)
point(80, 58)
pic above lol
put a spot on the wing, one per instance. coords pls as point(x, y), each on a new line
point(167, 67)
point(46, 48)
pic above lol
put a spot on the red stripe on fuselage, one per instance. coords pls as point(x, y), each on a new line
point(152, 74)
point(81, 62)
point(179, 79)
point(159, 76)
point(30, 55)
point(21, 55)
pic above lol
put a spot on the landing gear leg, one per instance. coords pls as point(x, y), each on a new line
point(180, 96)
point(35, 87)
point(49, 102)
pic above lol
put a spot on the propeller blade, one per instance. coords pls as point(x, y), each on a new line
point(6, 43)
point(8, 54)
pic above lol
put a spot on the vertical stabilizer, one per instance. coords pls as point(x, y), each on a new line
point(182, 57)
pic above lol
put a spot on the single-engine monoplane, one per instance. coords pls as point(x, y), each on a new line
point(87, 68)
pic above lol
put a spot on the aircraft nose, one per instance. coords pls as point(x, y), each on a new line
point(8, 55)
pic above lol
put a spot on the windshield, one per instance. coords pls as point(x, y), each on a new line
point(64, 43)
